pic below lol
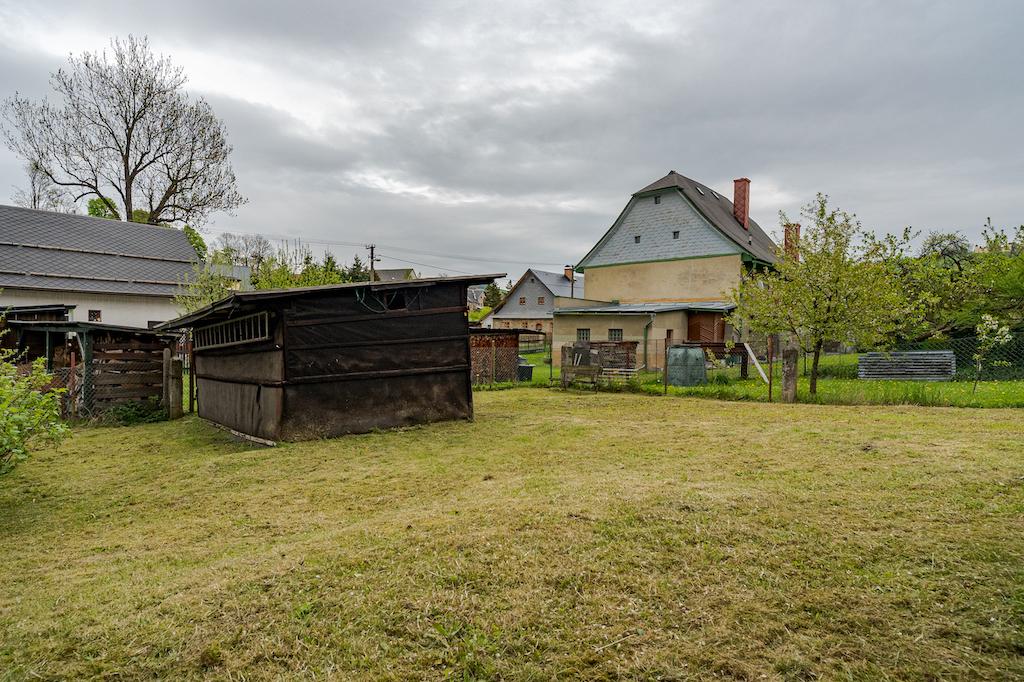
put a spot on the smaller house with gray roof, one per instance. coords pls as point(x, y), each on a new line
point(102, 271)
point(531, 303)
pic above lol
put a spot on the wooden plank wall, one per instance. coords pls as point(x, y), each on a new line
point(126, 370)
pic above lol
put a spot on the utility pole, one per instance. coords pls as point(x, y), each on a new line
point(373, 259)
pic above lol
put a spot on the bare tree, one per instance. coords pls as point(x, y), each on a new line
point(125, 131)
point(41, 193)
point(248, 250)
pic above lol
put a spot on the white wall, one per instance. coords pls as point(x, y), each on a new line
point(130, 311)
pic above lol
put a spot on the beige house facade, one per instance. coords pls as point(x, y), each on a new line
point(664, 270)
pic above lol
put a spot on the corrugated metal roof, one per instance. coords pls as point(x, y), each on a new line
point(227, 303)
point(648, 308)
point(67, 252)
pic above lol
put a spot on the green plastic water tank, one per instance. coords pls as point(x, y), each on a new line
point(686, 366)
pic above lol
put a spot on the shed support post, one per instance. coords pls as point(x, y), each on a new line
point(88, 400)
point(191, 378)
point(165, 398)
point(49, 351)
point(174, 410)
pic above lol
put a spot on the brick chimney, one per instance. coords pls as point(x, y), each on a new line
point(741, 201)
point(791, 245)
point(569, 273)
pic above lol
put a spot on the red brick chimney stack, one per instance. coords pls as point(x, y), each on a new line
point(741, 201)
point(791, 245)
point(569, 273)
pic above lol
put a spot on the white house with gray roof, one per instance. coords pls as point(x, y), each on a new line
point(110, 271)
point(531, 303)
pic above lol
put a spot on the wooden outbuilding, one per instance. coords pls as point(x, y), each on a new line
point(99, 364)
point(317, 362)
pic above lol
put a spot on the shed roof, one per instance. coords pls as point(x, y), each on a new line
point(69, 252)
point(85, 327)
point(236, 298)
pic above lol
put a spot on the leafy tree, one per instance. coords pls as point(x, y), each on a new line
point(196, 240)
point(30, 409)
point(842, 287)
point(122, 129)
point(991, 334)
point(101, 207)
point(41, 193)
point(492, 295)
point(210, 281)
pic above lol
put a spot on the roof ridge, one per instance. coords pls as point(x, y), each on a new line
point(90, 218)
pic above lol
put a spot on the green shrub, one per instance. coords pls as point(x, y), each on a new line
point(29, 410)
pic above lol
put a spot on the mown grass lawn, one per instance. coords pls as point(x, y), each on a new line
point(562, 535)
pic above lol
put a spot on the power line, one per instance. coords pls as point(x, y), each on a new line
point(429, 265)
point(452, 256)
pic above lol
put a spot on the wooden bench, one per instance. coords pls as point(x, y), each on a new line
point(619, 374)
point(923, 365)
point(588, 374)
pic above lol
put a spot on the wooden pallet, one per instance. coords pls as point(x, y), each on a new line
point(925, 365)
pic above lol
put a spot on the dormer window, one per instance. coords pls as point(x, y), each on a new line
point(636, 239)
point(657, 199)
point(675, 234)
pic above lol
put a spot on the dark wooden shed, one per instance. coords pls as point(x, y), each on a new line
point(316, 362)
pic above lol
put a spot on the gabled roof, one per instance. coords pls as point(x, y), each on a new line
point(715, 208)
point(555, 282)
point(68, 252)
point(395, 274)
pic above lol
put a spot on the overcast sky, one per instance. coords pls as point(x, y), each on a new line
point(516, 131)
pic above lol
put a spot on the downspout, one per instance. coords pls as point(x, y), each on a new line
point(647, 328)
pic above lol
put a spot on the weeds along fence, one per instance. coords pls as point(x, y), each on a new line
point(1003, 363)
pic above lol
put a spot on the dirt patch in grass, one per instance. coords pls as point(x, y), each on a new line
point(597, 536)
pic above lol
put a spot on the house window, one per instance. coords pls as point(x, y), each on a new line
point(539, 326)
point(615, 335)
point(675, 234)
point(583, 335)
point(540, 300)
point(95, 315)
point(636, 239)
point(522, 300)
point(657, 200)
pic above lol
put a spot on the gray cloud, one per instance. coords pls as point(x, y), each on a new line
point(518, 131)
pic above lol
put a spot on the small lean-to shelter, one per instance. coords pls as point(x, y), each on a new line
point(317, 362)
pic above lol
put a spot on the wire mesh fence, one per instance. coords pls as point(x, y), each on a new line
point(93, 389)
point(1004, 362)
point(493, 363)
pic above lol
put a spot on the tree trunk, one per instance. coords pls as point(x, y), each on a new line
point(814, 367)
point(790, 367)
